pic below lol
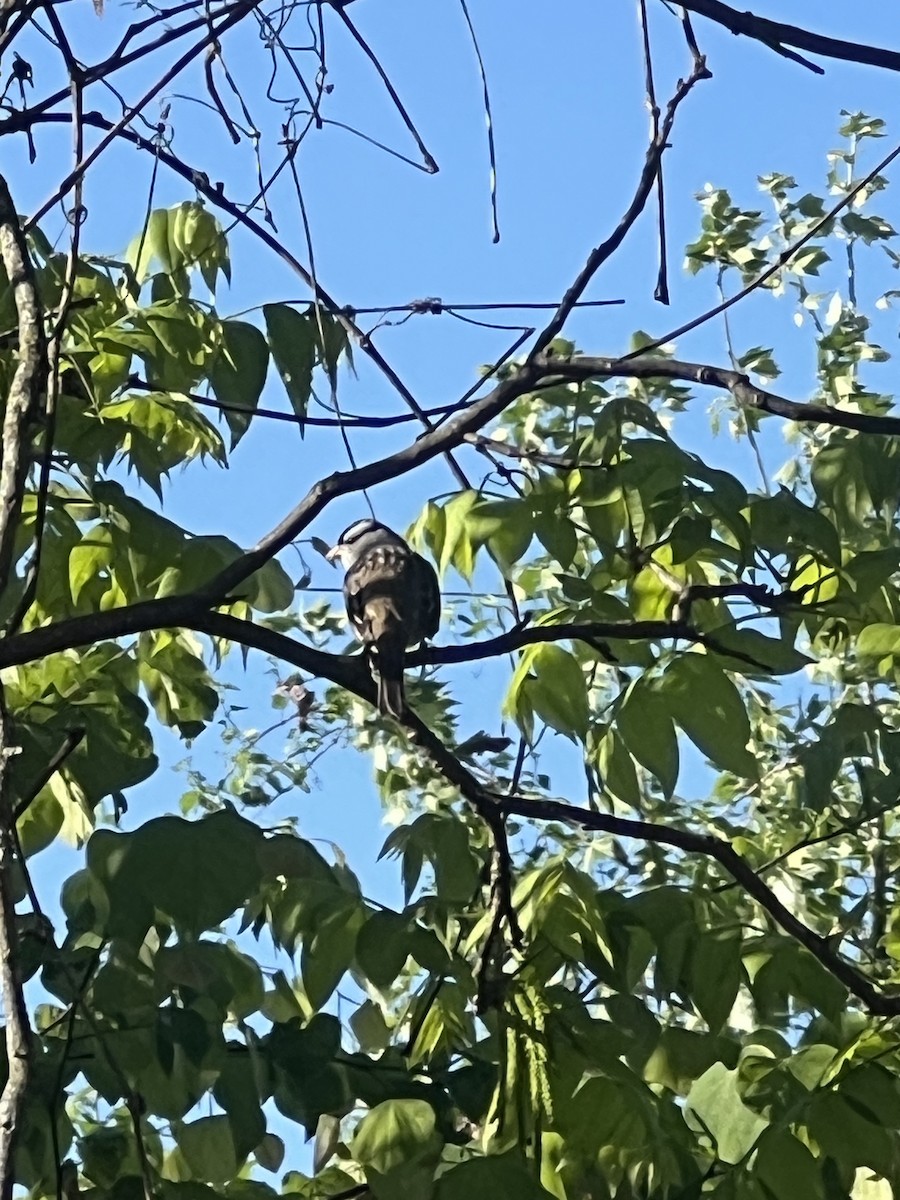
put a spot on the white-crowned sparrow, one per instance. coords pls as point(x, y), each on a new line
point(393, 601)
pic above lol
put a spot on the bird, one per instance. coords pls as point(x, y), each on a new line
point(393, 601)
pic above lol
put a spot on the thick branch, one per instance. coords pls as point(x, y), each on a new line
point(775, 34)
point(433, 443)
point(493, 809)
point(532, 376)
point(694, 843)
point(22, 403)
point(351, 673)
point(589, 632)
point(741, 387)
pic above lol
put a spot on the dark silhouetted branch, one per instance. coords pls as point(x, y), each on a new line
point(777, 35)
point(716, 848)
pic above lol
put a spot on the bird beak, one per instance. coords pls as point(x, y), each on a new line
point(333, 555)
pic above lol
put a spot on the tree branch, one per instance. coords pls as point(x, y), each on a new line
point(646, 183)
point(694, 843)
point(774, 34)
point(746, 392)
point(23, 400)
point(589, 632)
point(22, 403)
point(493, 809)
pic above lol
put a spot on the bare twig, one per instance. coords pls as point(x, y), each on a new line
point(427, 157)
point(645, 185)
point(116, 128)
point(783, 259)
point(661, 291)
point(350, 420)
point(488, 120)
point(118, 60)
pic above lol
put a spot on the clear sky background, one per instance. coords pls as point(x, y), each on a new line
point(567, 89)
point(570, 125)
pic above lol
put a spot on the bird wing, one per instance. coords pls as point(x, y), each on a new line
point(424, 581)
point(401, 579)
point(377, 575)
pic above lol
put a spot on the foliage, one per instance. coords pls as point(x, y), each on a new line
point(655, 1031)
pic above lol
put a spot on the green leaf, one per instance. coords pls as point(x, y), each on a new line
point(328, 952)
point(457, 867)
point(307, 1080)
point(616, 769)
point(237, 1091)
point(501, 1177)
point(739, 649)
point(211, 869)
point(645, 723)
point(106, 1154)
point(714, 1105)
point(370, 1028)
point(557, 535)
point(682, 1055)
point(382, 947)
point(879, 641)
point(214, 969)
point(784, 523)
point(453, 542)
point(844, 1134)
point(395, 1133)
point(709, 709)
point(269, 1153)
point(238, 374)
point(787, 1168)
point(292, 341)
point(208, 1149)
point(552, 683)
point(177, 681)
point(505, 527)
point(716, 975)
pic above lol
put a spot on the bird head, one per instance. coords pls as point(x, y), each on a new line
point(358, 538)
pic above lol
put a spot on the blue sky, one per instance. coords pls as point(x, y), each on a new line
point(570, 124)
point(571, 127)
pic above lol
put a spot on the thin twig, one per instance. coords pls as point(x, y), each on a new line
point(645, 185)
point(488, 120)
point(661, 291)
point(427, 157)
point(777, 265)
point(117, 127)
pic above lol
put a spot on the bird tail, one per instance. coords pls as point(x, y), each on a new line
point(388, 640)
point(391, 695)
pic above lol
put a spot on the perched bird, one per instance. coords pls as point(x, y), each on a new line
point(393, 601)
